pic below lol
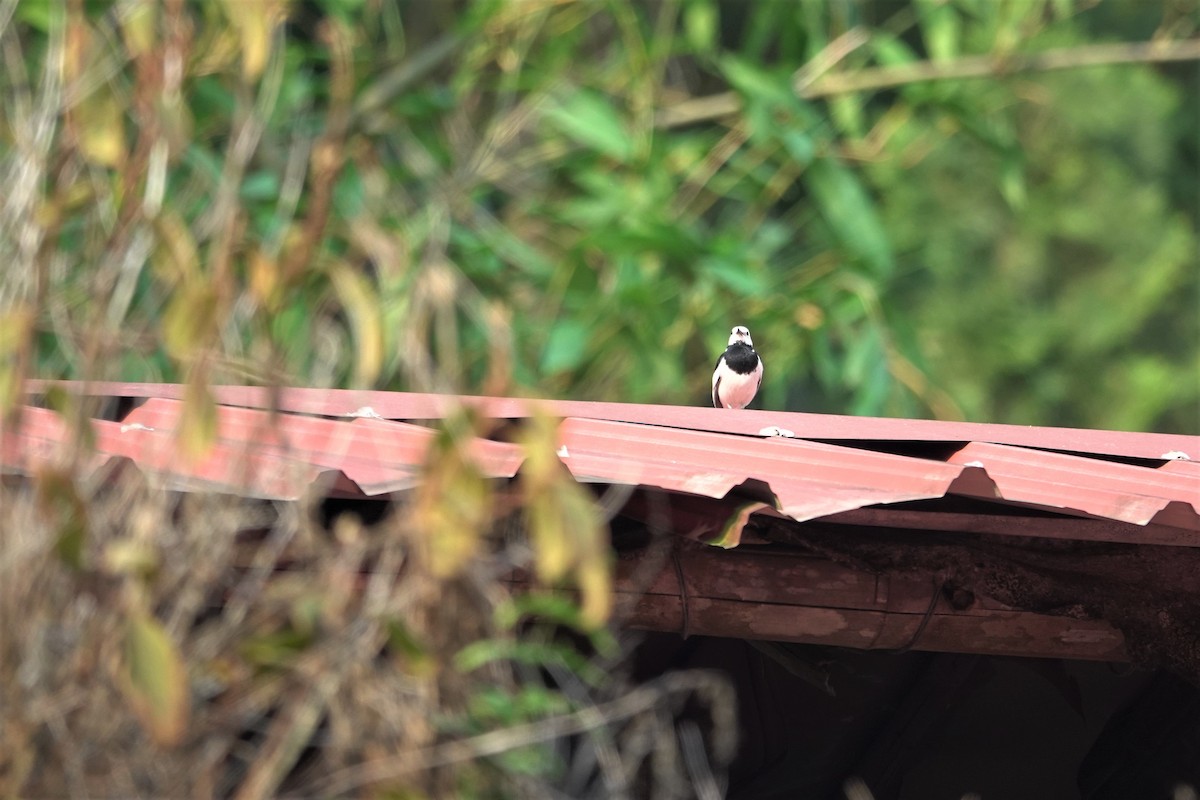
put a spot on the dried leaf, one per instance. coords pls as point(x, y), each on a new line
point(361, 303)
point(154, 679)
point(198, 423)
point(565, 525)
point(454, 502)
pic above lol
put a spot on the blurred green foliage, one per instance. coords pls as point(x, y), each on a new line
point(494, 196)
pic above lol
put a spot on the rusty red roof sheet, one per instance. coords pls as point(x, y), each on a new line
point(749, 422)
point(808, 479)
point(357, 441)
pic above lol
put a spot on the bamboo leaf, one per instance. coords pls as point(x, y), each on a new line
point(255, 23)
point(850, 214)
point(361, 303)
point(591, 120)
point(154, 679)
point(566, 348)
point(198, 423)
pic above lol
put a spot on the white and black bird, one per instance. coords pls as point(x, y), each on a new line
point(739, 372)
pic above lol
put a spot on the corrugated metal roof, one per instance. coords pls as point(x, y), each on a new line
point(822, 427)
point(808, 479)
point(717, 477)
point(696, 451)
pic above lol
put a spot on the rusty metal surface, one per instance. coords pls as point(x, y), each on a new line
point(41, 439)
point(378, 455)
point(809, 479)
point(1092, 486)
point(356, 443)
point(829, 427)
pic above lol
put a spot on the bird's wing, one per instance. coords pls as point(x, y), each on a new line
point(716, 381)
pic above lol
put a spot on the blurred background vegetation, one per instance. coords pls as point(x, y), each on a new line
point(975, 209)
point(579, 199)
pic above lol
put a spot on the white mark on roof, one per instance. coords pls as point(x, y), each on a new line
point(775, 430)
point(562, 452)
point(1176, 455)
point(135, 426)
point(365, 411)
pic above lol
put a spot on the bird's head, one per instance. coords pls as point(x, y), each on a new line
point(740, 333)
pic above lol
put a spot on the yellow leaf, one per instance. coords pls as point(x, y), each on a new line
point(198, 424)
point(265, 283)
point(10, 387)
point(453, 506)
point(565, 525)
point(130, 557)
point(190, 320)
point(361, 303)
point(596, 593)
point(99, 124)
point(138, 25)
point(154, 679)
point(16, 328)
point(255, 22)
point(552, 549)
point(176, 256)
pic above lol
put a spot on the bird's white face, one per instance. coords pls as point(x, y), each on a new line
point(740, 333)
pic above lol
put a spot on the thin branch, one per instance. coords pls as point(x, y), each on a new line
point(988, 66)
point(396, 80)
point(637, 701)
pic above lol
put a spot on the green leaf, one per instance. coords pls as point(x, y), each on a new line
point(942, 28)
point(730, 534)
point(154, 679)
point(59, 501)
point(756, 83)
point(850, 213)
point(566, 348)
point(349, 194)
point(260, 186)
point(700, 25)
point(276, 649)
point(890, 51)
point(736, 276)
point(414, 657)
point(534, 654)
point(39, 14)
point(558, 609)
point(590, 119)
